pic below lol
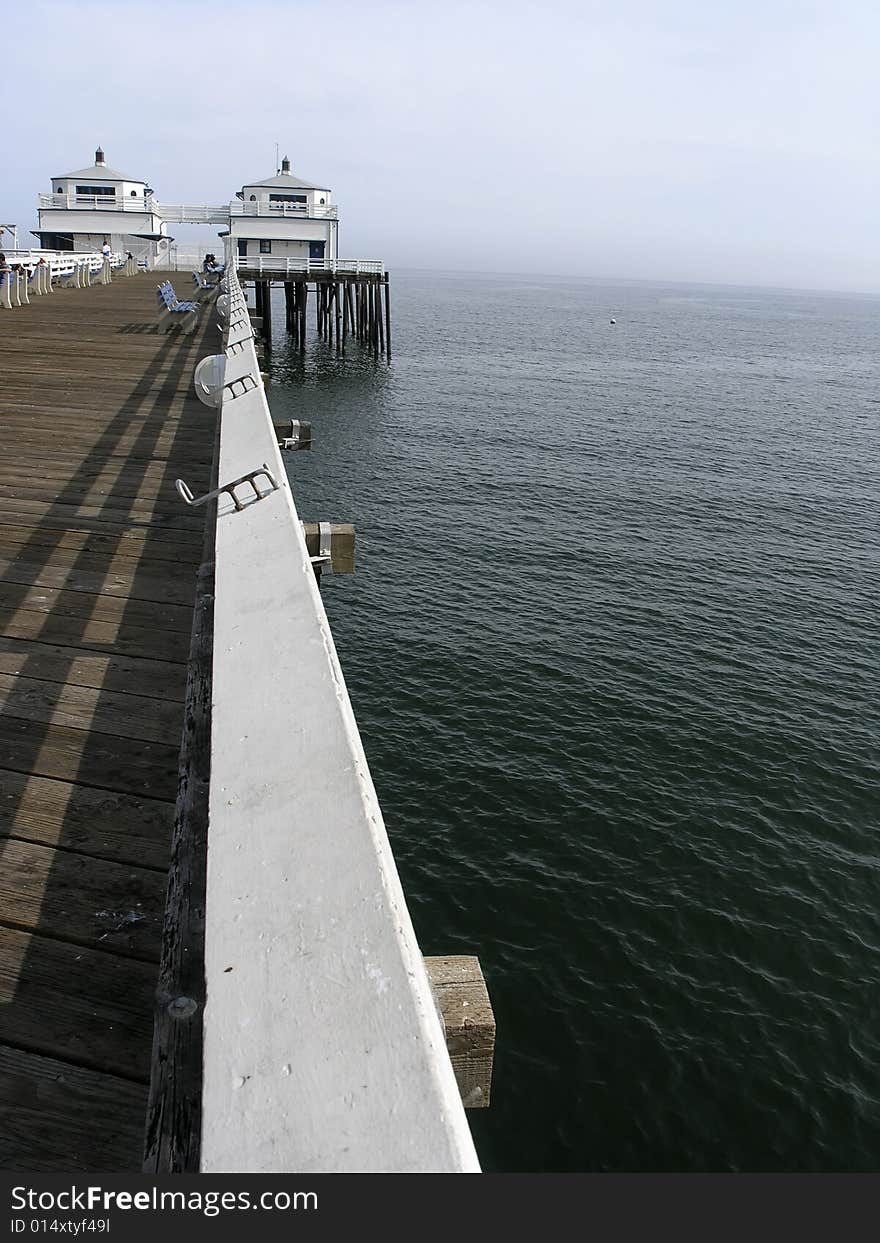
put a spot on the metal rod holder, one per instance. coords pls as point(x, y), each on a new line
point(229, 488)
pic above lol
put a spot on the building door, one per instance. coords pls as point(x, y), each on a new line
point(242, 248)
point(316, 250)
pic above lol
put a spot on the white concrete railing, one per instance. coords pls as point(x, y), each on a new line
point(271, 264)
point(323, 1049)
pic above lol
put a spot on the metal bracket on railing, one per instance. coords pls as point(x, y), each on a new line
point(229, 488)
point(324, 559)
point(244, 384)
point(293, 434)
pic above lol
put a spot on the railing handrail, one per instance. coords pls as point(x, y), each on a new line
point(262, 207)
point(284, 263)
point(322, 1046)
point(182, 213)
point(110, 202)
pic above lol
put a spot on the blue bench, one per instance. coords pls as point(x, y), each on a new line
point(172, 310)
point(205, 289)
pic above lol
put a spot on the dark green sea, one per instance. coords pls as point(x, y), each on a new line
point(613, 647)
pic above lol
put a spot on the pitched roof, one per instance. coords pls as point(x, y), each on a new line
point(286, 181)
point(100, 172)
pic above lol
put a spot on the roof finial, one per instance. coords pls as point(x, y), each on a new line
point(99, 156)
point(285, 165)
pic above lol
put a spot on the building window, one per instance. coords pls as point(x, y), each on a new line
point(287, 198)
point(253, 198)
point(96, 190)
point(265, 246)
point(133, 193)
point(321, 201)
point(242, 248)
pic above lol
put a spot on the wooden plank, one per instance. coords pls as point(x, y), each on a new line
point(167, 520)
point(103, 823)
point(89, 708)
point(80, 899)
point(95, 607)
point(166, 546)
point(59, 1118)
point(138, 584)
point(148, 769)
point(126, 675)
point(140, 503)
point(458, 985)
point(93, 1009)
point(100, 636)
point(53, 464)
point(128, 560)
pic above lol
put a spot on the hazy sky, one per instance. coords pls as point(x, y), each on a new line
point(715, 141)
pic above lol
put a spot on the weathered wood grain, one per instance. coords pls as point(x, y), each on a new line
point(90, 708)
point(94, 606)
point(77, 898)
point(173, 1129)
point(91, 758)
point(106, 824)
point(73, 666)
point(58, 1117)
point(81, 1005)
point(458, 985)
point(98, 563)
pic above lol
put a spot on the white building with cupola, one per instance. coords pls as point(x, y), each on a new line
point(286, 217)
point(96, 204)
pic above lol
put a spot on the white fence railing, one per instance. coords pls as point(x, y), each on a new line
point(193, 213)
point(272, 264)
point(96, 202)
point(322, 1047)
point(189, 213)
point(33, 272)
point(296, 211)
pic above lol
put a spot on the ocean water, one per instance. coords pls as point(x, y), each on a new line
point(613, 647)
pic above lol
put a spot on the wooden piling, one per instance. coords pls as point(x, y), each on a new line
point(267, 316)
point(460, 990)
point(387, 317)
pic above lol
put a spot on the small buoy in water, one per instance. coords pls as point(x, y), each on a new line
point(613, 321)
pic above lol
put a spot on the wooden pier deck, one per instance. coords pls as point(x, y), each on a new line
point(98, 563)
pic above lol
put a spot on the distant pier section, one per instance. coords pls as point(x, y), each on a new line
point(284, 232)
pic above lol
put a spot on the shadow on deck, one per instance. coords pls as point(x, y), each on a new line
point(98, 564)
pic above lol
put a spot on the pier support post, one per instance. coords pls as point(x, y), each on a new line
point(340, 343)
point(463, 1000)
point(267, 316)
point(387, 317)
